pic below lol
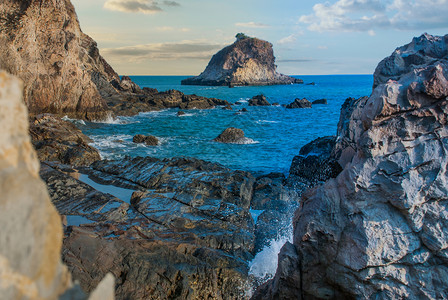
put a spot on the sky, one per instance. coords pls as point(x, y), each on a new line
point(146, 37)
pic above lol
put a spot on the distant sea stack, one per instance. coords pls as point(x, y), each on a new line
point(248, 61)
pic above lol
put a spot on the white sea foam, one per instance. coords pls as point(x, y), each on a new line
point(247, 141)
point(264, 264)
point(76, 121)
point(265, 121)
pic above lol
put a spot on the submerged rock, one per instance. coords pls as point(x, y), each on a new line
point(149, 140)
point(378, 229)
point(58, 140)
point(320, 101)
point(259, 100)
point(231, 135)
point(248, 61)
point(299, 103)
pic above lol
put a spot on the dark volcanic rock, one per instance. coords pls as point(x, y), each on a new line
point(187, 233)
point(319, 101)
point(231, 135)
point(180, 113)
point(299, 103)
point(378, 230)
point(58, 140)
point(149, 140)
point(259, 100)
point(248, 61)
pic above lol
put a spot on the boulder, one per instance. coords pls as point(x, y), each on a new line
point(180, 113)
point(377, 230)
point(248, 61)
point(259, 100)
point(231, 135)
point(58, 140)
point(149, 140)
point(299, 103)
point(319, 101)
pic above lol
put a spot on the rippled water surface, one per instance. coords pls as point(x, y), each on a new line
point(277, 133)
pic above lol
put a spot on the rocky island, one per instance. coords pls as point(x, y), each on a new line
point(248, 61)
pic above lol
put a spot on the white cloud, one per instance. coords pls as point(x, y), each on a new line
point(287, 40)
point(137, 6)
point(251, 25)
point(169, 28)
point(366, 15)
point(164, 51)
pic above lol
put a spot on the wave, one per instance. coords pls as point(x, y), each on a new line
point(266, 121)
point(246, 141)
point(75, 121)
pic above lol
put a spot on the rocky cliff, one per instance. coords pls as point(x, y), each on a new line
point(248, 61)
point(41, 42)
point(31, 235)
point(378, 230)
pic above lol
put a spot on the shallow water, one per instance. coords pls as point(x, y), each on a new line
point(276, 133)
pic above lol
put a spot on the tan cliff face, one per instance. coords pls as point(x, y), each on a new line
point(248, 61)
point(41, 42)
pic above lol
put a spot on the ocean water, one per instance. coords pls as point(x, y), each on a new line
point(275, 133)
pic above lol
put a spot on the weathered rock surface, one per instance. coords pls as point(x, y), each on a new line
point(31, 235)
point(231, 135)
point(299, 103)
point(152, 100)
point(58, 140)
point(186, 232)
point(378, 230)
point(149, 140)
point(248, 61)
point(259, 100)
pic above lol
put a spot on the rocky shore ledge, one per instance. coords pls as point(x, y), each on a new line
point(378, 230)
point(248, 61)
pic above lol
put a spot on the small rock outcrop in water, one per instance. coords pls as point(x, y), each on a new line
point(231, 135)
point(58, 140)
point(319, 101)
point(31, 235)
point(378, 230)
point(259, 100)
point(299, 103)
point(149, 140)
point(248, 61)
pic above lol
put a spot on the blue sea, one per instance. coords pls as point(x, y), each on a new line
point(276, 134)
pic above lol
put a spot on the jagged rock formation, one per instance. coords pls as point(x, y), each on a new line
point(58, 140)
point(149, 140)
point(31, 235)
point(248, 61)
point(259, 100)
point(378, 230)
point(299, 103)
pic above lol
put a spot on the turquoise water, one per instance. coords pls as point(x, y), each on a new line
point(277, 133)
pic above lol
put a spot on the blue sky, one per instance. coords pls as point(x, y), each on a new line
point(146, 37)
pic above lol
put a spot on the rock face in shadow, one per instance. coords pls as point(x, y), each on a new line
point(248, 61)
point(378, 230)
point(259, 100)
point(58, 140)
point(31, 235)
